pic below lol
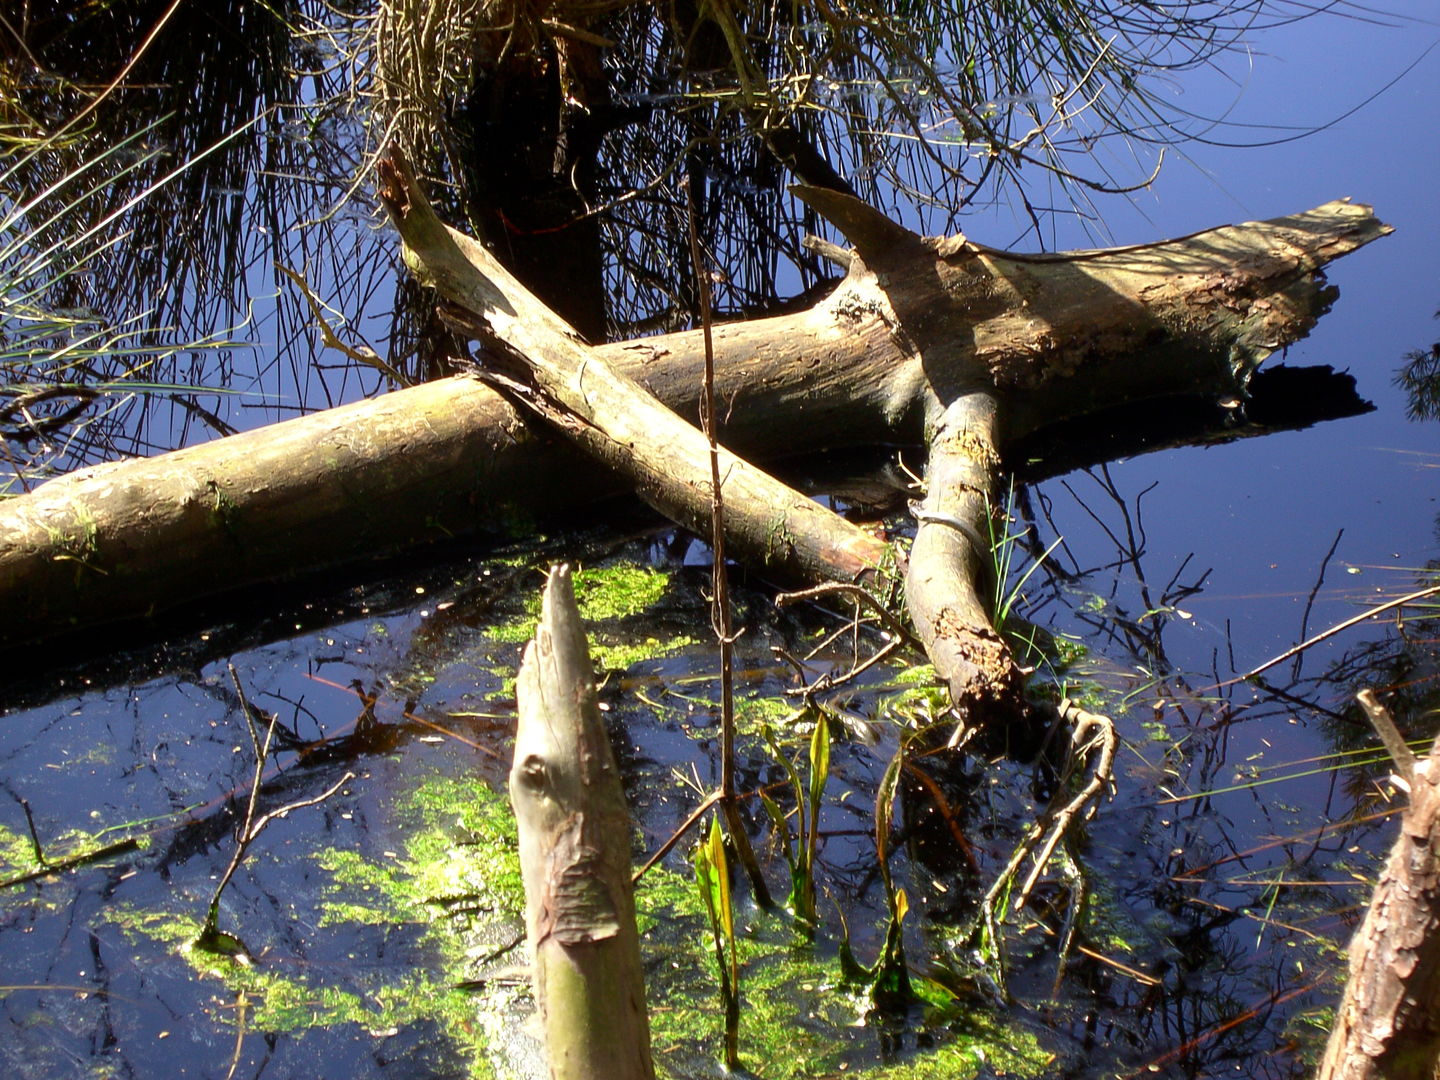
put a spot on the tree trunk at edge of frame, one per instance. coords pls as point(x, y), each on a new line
point(1388, 1023)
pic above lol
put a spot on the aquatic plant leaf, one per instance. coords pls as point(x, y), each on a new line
point(781, 825)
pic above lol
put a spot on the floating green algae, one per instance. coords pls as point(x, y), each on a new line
point(460, 846)
point(454, 875)
point(602, 593)
point(797, 1020)
point(17, 854)
point(281, 1003)
point(622, 655)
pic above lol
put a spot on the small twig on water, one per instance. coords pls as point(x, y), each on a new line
point(1368, 613)
point(897, 635)
point(856, 592)
point(1310, 601)
point(34, 836)
point(251, 826)
point(242, 1003)
point(685, 826)
point(46, 867)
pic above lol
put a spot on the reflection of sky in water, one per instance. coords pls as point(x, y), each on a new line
point(1264, 512)
point(1260, 515)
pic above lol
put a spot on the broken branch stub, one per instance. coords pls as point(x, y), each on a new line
point(575, 837)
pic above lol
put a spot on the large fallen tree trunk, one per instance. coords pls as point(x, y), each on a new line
point(916, 328)
point(542, 363)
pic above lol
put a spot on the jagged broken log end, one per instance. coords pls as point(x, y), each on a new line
point(1333, 229)
point(979, 669)
point(952, 562)
point(574, 832)
point(876, 236)
point(1085, 331)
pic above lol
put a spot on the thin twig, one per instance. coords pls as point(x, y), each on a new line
point(241, 1003)
point(1310, 600)
point(856, 592)
point(1368, 613)
point(34, 836)
point(251, 826)
point(720, 581)
point(299, 804)
point(685, 826)
point(59, 866)
point(364, 355)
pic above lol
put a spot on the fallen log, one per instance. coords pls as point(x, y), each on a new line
point(916, 325)
point(543, 363)
point(609, 415)
point(575, 834)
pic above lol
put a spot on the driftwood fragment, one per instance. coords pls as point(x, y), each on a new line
point(575, 858)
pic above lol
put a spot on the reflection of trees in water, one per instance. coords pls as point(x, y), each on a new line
point(1404, 665)
point(1419, 377)
point(155, 207)
point(1236, 842)
point(559, 137)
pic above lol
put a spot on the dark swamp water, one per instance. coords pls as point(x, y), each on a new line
point(378, 917)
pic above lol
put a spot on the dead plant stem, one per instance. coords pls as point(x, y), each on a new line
point(251, 827)
point(720, 612)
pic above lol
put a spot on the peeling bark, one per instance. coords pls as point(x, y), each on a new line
point(1388, 1024)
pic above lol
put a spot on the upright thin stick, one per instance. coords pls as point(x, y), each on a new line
point(719, 579)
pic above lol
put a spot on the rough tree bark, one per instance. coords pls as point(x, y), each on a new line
point(922, 335)
point(950, 560)
point(575, 858)
point(1388, 1023)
